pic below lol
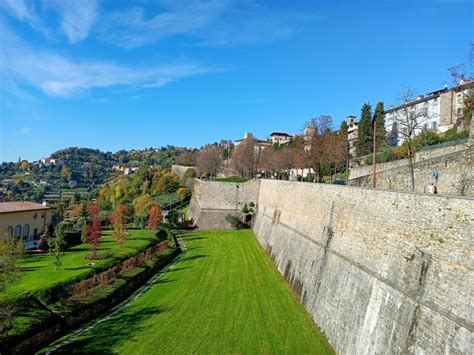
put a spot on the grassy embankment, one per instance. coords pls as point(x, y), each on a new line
point(234, 179)
point(224, 296)
point(37, 271)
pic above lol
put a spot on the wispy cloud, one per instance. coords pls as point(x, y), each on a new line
point(210, 23)
point(22, 10)
point(60, 76)
point(130, 28)
point(25, 130)
point(77, 17)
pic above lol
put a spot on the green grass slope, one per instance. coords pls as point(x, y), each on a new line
point(224, 296)
point(38, 271)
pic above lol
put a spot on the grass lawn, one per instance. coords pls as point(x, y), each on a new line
point(235, 179)
point(224, 296)
point(38, 271)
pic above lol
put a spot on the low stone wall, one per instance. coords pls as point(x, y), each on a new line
point(213, 201)
point(456, 174)
point(180, 170)
point(379, 272)
point(421, 155)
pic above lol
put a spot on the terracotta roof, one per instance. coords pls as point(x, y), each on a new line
point(280, 134)
point(6, 207)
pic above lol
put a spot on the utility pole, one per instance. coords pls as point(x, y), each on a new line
point(374, 160)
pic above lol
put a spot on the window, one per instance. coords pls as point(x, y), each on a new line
point(35, 233)
point(459, 111)
point(35, 215)
point(425, 126)
point(434, 125)
point(10, 231)
point(18, 231)
point(459, 98)
point(26, 231)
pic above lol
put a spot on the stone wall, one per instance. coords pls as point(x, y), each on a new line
point(456, 174)
point(421, 155)
point(379, 271)
point(212, 201)
point(180, 170)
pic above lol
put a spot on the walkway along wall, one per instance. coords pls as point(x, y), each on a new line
point(379, 271)
point(454, 164)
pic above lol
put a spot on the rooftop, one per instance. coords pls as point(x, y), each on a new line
point(17, 206)
point(280, 134)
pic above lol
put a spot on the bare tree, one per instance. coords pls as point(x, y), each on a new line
point(187, 158)
point(209, 160)
point(245, 157)
point(463, 83)
point(410, 120)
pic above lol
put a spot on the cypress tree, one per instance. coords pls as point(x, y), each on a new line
point(381, 134)
point(364, 139)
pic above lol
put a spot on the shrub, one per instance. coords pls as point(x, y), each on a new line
point(453, 134)
point(383, 156)
point(426, 137)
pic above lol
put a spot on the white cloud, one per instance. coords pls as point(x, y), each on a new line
point(59, 76)
point(131, 29)
point(77, 17)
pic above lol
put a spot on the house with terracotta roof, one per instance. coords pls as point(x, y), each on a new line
point(25, 220)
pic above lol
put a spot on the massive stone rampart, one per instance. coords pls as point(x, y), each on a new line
point(379, 271)
point(212, 201)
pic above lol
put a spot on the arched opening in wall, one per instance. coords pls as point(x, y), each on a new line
point(18, 231)
point(26, 232)
point(10, 231)
point(248, 218)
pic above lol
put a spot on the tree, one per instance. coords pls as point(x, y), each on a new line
point(410, 120)
point(93, 236)
point(313, 150)
point(142, 205)
point(245, 157)
point(11, 250)
point(94, 230)
point(380, 132)
point(154, 217)
point(187, 158)
point(58, 243)
point(118, 220)
point(182, 193)
point(65, 173)
point(24, 165)
point(84, 232)
point(463, 76)
point(209, 160)
point(365, 132)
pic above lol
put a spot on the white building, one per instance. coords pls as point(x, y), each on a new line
point(280, 137)
point(352, 134)
point(438, 110)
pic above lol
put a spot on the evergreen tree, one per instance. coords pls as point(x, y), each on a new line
point(379, 119)
point(364, 140)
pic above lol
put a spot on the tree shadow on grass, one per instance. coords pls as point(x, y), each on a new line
point(110, 334)
point(194, 257)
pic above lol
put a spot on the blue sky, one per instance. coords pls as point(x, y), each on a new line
point(120, 75)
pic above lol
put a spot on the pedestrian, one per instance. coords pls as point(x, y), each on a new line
point(435, 189)
point(430, 189)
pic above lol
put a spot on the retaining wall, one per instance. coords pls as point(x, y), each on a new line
point(212, 201)
point(379, 271)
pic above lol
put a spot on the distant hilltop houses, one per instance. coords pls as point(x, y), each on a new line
point(438, 110)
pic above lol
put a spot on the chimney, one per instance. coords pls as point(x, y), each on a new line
point(45, 203)
point(420, 97)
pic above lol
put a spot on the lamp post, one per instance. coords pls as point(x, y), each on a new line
point(374, 160)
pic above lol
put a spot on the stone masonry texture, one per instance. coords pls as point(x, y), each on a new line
point(379, 271)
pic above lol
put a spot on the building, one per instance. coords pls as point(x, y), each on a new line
point(280, 137)
point(25, 220)
point(125, 170)
point(259, 144)
point(438, 110)
point(52, 161)
point(352, 134)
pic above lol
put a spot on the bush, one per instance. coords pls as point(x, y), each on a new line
point(453, 134)
point(384, 156)
point(427, 137)
point(236, 223)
